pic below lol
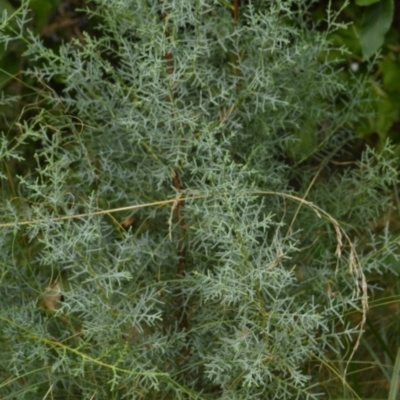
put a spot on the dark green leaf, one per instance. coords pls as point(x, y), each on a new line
point(366, 2)
point(378, 19)
point(390, 74)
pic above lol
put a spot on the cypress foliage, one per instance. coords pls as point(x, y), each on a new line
point(186, 226)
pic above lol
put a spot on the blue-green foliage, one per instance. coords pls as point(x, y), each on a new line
point(229, 284)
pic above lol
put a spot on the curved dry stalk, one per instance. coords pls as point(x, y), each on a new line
point(355, 267)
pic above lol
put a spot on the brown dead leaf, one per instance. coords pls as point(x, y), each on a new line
point(129, 221)
point(51, 298)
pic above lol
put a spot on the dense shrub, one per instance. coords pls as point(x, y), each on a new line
point(188, 224)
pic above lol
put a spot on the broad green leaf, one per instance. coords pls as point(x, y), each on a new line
point(378, 19)
point(390, 74)
point(387, 114)
point(366, 2)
